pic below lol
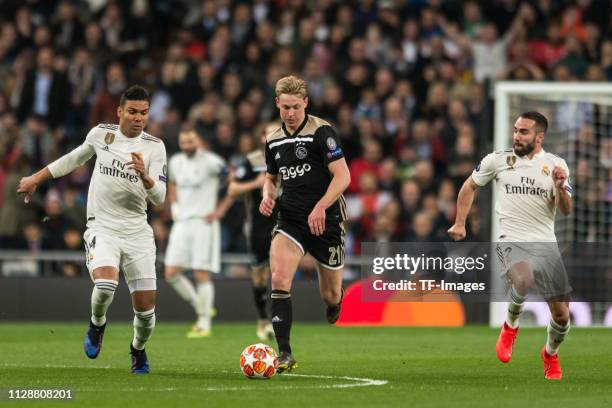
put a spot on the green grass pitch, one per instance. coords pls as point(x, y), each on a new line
point(382, 367)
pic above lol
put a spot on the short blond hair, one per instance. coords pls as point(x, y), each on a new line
point(291, 85)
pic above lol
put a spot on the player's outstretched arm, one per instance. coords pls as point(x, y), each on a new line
point(464, 203)
point(62, 166)
point(171, 196)
point(341, 178)
point(28, 185)
point(268, 202)
point(237, 188)
point(221, 209)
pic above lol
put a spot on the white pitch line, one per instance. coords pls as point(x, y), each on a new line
point(357, 382)
point(360, 382)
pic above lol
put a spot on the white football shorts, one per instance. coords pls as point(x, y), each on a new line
point(132, 254)
point(195, 244)
point(544, 260)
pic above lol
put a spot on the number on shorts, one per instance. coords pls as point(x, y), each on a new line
point(336, 255)
point(88, 250)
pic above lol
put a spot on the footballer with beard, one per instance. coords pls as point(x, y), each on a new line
point(531, 185)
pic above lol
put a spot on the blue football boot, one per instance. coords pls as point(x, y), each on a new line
point(140, 363)
point(92, 343)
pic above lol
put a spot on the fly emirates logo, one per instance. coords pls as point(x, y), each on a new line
point(527, 187)
point(118, 170)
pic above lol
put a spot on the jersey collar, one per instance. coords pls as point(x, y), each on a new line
point(298, 130)
point(129, 139)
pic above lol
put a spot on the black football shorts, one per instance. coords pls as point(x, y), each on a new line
point(326, 249)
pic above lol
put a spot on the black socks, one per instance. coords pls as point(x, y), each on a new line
point(282, 315)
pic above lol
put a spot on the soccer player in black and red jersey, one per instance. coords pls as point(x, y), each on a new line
point(305, 155)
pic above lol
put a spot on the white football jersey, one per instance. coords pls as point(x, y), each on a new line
point(525, 193)
point(197, 183)
point(117, 198)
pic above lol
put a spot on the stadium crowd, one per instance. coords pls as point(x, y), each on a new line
point(405, 83)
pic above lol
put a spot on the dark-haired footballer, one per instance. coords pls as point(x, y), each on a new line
point(531, 185)
point(130, 169)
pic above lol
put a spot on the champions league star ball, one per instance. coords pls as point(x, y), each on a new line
point(258, 361)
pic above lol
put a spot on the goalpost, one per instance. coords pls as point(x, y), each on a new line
point(580, 131)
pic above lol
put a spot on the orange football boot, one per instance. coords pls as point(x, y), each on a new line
point(505, 343)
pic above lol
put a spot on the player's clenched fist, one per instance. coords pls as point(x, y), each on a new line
point(267, 206)
point(137, 164)
point(559, 176)
point(457, 232)
point(27, 186)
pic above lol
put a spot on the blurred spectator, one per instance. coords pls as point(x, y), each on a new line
point(83, 77)
point(370, 161)
point(66, 27)
point(104, 109)
point(447, 198)
point(422, 229)
point(438, 220)
point(387, 176)
point(95, 43)
point(37, 141)
point(14, 213)
point(33, 240)
point(370, 200)
point(74, 209)
point(44, 91)
point(425, 177)
point(549, 50)
point(574, 59)
point(72, 240)
point(55, 221)
point(384, 228)
point(606, 57)
point(410, 199)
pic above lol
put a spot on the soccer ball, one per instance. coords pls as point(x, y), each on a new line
point(258, 361)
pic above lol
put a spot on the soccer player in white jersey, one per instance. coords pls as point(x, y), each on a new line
point(195, 238)
point(531, 185)
point(130, 169)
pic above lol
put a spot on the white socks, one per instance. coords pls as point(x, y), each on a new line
point(185, 289)
point(201, 299)
point(206, 300)
point(556, 335)
point(144, 323)
point(101, 298)
point(515, 308)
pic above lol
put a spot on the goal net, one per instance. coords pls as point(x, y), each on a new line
point(580, 131)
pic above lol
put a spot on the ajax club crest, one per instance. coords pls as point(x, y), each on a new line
point(301, 152)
